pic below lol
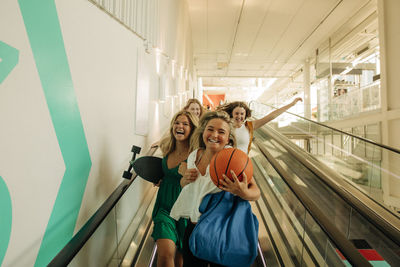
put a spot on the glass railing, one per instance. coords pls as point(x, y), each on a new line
point(309, 215)
point(299, 239)
point(113, 235)
point(371, 167)
point(303, 235)
point(355, 102)
point(109, 244)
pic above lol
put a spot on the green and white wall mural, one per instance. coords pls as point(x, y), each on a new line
point(8, 60)
point(45, 38)
point(5, 218)
point(67, 123)
point(45, 158)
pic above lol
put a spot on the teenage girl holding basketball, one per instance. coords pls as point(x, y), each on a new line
point(167, 232)
point(214, 133)
point(239, 112)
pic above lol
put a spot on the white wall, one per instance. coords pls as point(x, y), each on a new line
point(102, 58)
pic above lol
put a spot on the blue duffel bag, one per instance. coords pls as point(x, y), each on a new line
point(227, 231)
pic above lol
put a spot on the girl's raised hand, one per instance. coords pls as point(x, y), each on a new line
point(297, 99)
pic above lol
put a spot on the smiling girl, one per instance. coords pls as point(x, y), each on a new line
point(167, 232)
point(215, 132)
point(239, 112)
point(194, 106)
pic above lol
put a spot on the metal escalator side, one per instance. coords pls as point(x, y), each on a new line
point(142, 247)
point(356, 216)
point(388, 221)
point(300, 232)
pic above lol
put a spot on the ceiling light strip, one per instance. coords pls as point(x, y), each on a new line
point(234, 37)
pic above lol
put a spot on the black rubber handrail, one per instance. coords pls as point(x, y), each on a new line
point(340, 241)
point(395, 150)
point(66, 254)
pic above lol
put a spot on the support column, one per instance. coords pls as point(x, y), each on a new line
point(306, 86)
point(389, 42)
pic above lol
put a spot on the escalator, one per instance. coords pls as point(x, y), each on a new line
point(375, 236)
point(309, 216)
point(343, 174)
point(290, 233)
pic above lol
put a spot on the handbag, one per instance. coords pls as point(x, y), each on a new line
point(227, 231)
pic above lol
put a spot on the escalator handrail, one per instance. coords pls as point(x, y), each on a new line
point(374, 212)
point(340, 241)
point(68, 252)
point(395, 150)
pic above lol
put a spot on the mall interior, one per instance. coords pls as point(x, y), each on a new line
point(87, 86)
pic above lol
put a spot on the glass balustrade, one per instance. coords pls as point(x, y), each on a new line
point(371, 168)
point(307, 243)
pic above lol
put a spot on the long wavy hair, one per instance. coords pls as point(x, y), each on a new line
point(196, 141)
point(168, 144)
point(195, 101)
point(229, 107)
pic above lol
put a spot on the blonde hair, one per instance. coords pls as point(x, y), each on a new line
point(196, 141)
point(228, 108)
point(168, 144)
point(195, 101)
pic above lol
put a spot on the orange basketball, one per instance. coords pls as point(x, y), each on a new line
point(230, 159)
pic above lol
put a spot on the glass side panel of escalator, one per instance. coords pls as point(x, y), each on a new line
point(372, 169)
point(369, 240)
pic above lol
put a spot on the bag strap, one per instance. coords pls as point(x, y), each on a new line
point(249, 126)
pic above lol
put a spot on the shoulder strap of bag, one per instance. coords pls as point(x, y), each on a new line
point(249, 125)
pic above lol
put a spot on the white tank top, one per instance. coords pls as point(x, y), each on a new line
point(242, 138)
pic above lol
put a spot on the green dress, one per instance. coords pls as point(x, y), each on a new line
point(164, 225)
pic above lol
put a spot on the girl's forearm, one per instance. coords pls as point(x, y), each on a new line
point(252, 194)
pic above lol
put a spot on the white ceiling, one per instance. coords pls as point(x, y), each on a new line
point(273, 38)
